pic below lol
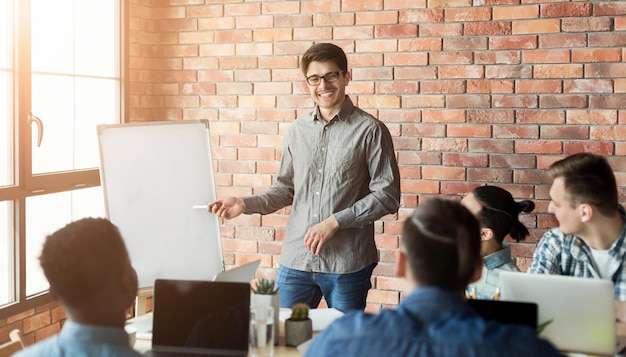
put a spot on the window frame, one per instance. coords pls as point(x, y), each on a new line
point(25, 183)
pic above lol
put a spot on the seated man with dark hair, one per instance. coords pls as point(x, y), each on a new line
point(89, 271)
point(589, 241)
point(439, 256)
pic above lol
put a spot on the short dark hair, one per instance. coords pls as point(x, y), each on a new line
point(441, 240)
point(588, 178)
point(83, 258)
point(322, 52)
point(500, 212)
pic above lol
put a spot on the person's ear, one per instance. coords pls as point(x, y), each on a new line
point(586, 212)
point(486, 234)
point(347, 77)
point(401, 265)
point(130, 284)
point(478, 270)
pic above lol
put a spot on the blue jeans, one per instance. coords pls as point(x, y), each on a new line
point(342, 291)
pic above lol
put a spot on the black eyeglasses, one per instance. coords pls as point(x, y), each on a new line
point(329, 77)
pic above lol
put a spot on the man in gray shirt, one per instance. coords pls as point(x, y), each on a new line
point(339, 173)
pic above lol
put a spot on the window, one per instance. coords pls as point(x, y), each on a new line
point(60, 76)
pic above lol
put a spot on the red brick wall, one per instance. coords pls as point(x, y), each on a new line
point(473, 92)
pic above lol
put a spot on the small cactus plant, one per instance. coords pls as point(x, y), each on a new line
point(299, 312)
point(265, 287)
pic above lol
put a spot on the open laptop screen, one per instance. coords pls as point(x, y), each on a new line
point(201, 314)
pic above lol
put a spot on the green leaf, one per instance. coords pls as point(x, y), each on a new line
point(542, 326)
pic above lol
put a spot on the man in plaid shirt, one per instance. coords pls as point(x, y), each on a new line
point(589, 241)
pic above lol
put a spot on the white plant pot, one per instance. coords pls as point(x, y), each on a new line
point(263, 300)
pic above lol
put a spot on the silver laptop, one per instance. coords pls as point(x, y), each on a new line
point(241, 274)
point(582, 310)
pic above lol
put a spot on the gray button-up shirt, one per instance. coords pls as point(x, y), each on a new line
point(347, 168)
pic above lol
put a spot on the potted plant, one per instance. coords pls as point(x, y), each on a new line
point(265, 293)
point(298, 327)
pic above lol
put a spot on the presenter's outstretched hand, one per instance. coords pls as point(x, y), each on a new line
point(228, 208)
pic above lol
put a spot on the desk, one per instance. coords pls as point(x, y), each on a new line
point(143, 342)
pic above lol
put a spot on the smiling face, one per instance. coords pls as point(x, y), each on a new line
point(328, 96)
point(562, 208)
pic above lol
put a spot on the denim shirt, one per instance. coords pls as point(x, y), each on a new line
point(429, 322)
point(83, 340)
point(493, 264)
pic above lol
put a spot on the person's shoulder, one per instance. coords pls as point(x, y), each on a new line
point(44, 348)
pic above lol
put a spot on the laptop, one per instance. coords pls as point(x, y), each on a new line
point(241, 274)
point(206, 318)
point(582, 310)
point(506, 312)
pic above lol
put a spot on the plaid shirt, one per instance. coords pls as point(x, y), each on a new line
point(565, 254)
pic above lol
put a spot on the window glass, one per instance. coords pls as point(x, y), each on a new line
point(6, 103)
point(6, 254)
point(47, 213)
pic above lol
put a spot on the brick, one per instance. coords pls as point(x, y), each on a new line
point(465, 159)
point(443, 173)
point(611, 39)
point(420, 16)
point(402, 143)
point(538, 86)
point(536, 26)
point(516, 131)
point(620, 23)
point(490, 86)
point(379, 101)
point(566, 10)
point(467, 71)
point(419, 186)
point(596, 55)
point(468, 130)
point(395, 31)
point(334, 19)
point(375, 17)
point(512, 42)
point(563, 101)
point(442, 86)
point(607, 101)
point(444, 144)
point(609, 8)
point(588, 86)
point(497, 57)
point(406, 59)
point(449, 3)
point(443, 116)
point(602, 148)
point(304, 20)
point(420, 44)
point(384, 45)
point(468, 101)
point(537, 147)
point(320, 6)
point(423, 101)
point(423, 130)
point(490, 145)
point(540, 116)
point(562, 40)
point(515, 12)
point(487, 28)
point(605, 70)
point(465, 44)
point(512, 161)
point(396, 87)
point(440, 29)
point(592, 24)
point(254, 22)
point(558, 71)
point(467, 14)
point(607, 133)
point(502, 71)
point(450, 58)
point(489, 175)
point(282, 7)
point(490, 116)
point(619, 85)
point(546, 56)
point(514, 101)
point(317, 34)
point(565, 132)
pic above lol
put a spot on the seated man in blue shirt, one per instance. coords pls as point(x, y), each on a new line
point(439, 255)
point(589, 241)
point(89, 271)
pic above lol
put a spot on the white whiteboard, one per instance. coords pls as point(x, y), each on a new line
point(152, 174)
